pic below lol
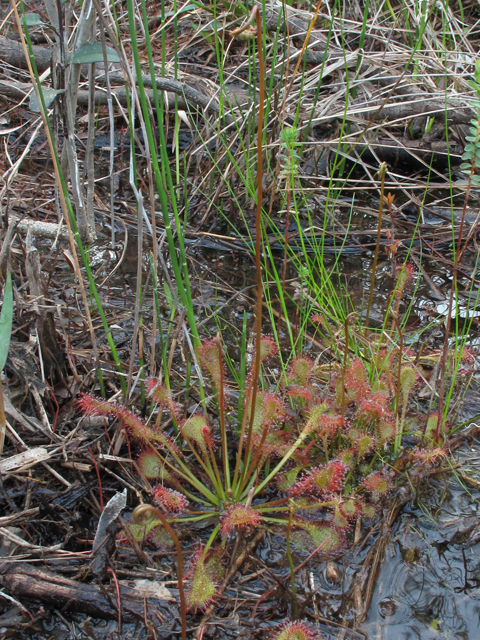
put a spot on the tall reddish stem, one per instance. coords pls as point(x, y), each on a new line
point(148, 510)
point(255, 14)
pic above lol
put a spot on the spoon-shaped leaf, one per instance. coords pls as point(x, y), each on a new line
point(49, 96)
point(33, 20)
point(93, 52)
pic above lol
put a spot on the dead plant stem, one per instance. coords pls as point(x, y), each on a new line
point(62, 195)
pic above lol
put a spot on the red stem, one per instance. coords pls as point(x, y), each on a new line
point(258, 227)
point(138, 514)
point(221, 406)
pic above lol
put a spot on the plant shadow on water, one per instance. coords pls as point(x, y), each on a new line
point(429, 584)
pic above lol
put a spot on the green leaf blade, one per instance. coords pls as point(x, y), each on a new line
point(33, 20)
point(93, 52)
point(6, 319)
point(49, 96)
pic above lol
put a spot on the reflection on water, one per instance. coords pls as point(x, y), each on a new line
point(429, 585)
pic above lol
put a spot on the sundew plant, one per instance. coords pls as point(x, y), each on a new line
point(310, 458)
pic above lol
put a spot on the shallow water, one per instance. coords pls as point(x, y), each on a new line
point(429, 584)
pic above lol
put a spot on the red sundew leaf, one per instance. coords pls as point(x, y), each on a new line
point(159, 538)
point(365, 444)
point(408, 378)
point(431, 428)
point(207, 437)
point(196, 429)
point(302, 487)
point(347, 456)
point(276, 443)
point(301, 393)
point(152, 467)
point(429, 457)
point(151, 533)
point(374, 406)
point(351, 508)
point(295, 630)
point(354, 434)
point(404, 273)
point(378, 484)
point(204, 581)
point(170, 500)
point(163, 397)
point(329, 478)
point(339, 520)
point(165, 441)
point(315, 416)
point(268, 410)
point(384, 360)
point(369, 511)
point(145, 433)
point(382, 386)
point(287, 479)
point(313, 535)
point(300, 371)
point(208, 355)
point(344, 512)
point(268, 348)
point(356, 380)
point(386, 431)
point(330, 424)
point(273, 409)
point(91, 405)
point(322, 480)
point(259, 414)
point(136, 425)
point(468, 356)
point(238, 516)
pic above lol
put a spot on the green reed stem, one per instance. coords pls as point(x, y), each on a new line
point(183, 283)
point(382, 172)
point(290, 562)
